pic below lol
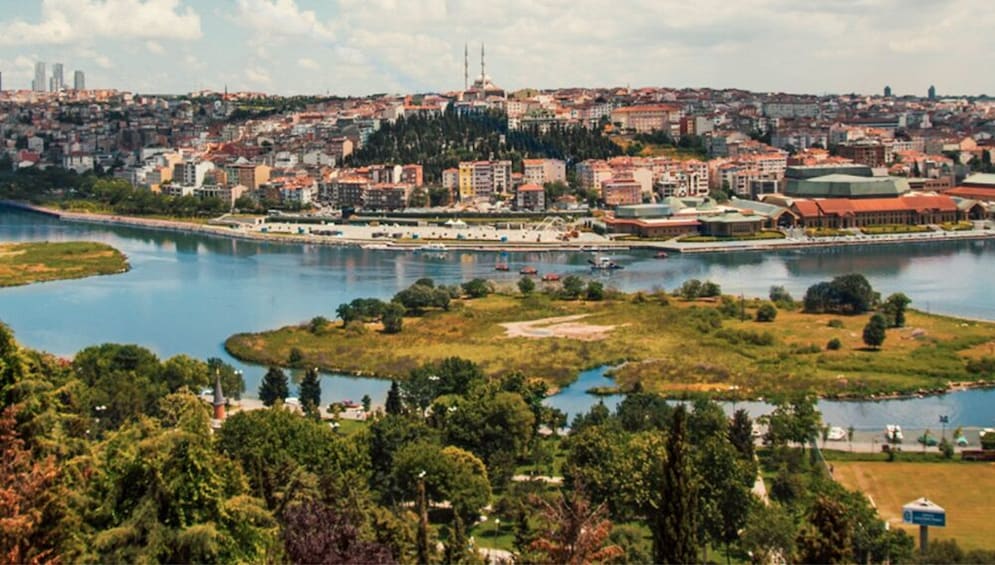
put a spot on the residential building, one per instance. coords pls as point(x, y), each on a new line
point(530, 196)
point(247, 174)
point(542, 171)
point(864, 152)
point(227, 194)
point(482, 180)
point(413, 175)
point(592, 174)
point(79, 162)
point(621, 191)
point(191, 172)
point(644, 119)
point(386, 196)
point(340, 148)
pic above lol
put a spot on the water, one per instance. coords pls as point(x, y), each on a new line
point(187, 293)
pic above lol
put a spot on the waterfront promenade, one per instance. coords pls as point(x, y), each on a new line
point(392, 236)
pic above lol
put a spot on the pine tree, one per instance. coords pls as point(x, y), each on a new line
point(274, 386)
point(674, 526)
point(310, 394)
point(393, 404)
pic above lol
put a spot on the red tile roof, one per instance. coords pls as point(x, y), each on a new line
point(972, 192)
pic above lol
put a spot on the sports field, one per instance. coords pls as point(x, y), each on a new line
point(965, 490)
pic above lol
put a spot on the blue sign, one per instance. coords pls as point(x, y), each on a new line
point(924, 518)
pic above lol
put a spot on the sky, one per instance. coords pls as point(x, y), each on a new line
point(359, 47)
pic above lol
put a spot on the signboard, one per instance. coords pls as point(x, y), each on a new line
point(922, 512)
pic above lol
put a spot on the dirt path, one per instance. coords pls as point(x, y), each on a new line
point(560, 326)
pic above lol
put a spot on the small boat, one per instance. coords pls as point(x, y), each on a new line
point(502, 267)
point(893, 432)
point(433, 248)
point(661, 255)
point(836, 433)
point(376, 246)
point(550, 277)
point(604, 263)
point(528, 271)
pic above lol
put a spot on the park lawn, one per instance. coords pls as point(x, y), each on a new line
point(667, 347)
point(26, 263)
point(966, 492)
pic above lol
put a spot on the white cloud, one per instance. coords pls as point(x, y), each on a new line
point(310, 64)
point(281, 19)
point(258, 76)
point(71, 21)
point(154, 47)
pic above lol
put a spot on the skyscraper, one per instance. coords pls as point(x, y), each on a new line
point(931, 93)
point(38, 85)
point(79, 81)
point(887, 92)
point(58, 81)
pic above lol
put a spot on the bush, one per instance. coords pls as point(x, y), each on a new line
point(526, 285)
point(477, 288)
point(710, 289)
point(834, 344)
point(318, 325)
point(573, 286)
point(835, 323)
point(845, 294)
point(295, 358)
point(595, 291)
point(393, 318)
point(766, 313)
point(690, 290)
point(778, 295)
point(874, 331)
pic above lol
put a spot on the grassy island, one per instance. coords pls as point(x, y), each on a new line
point(26, 263)
point(669, 345)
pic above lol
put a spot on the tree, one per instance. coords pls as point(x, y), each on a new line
point(296, 357)
point(778, 295)
point(27, 498)
point(310, 394)
point(393, 318)
point(393, 403)
point(274, 386)
point(690, 290)
point(741, 433)
point(477, 288)
point(894, 309)
point(416, 298)
point(367, 402)
point(595, 291)
point(828, 538)
point(874, 331)
point(845, 294)
point(726, 482)
point(315, 533)
point(769, 533)
point(526, 285)
point(573, 286)
point(448, 473)
point(766, 312)
point(674, 525)
point(709, 290)
point(573, 531)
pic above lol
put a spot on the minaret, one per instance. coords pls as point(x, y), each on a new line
point(219, 398)
point(466, 67)
point(483, 76)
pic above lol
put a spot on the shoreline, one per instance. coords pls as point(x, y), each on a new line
point(380, 244)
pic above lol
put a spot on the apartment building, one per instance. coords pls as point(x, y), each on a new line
point(247, 174)
point(621, 191)
point(541, 171)
point(530, 196)
point(647, 118)
point(480, 180)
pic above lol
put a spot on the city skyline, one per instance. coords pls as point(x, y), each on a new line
point(358, 48)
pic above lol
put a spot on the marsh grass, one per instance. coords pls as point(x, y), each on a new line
point(672, 348)
point(26, 263)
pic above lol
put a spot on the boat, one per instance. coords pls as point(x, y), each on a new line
point(603, 263)
point(528, 271)
point(836, 433)
point(550, 277)
point(661, 255)
point(893, 433)
point(433, 248)
point(502, 267)
point(376, 246)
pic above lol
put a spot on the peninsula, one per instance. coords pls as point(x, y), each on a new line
point(665, 343)
point(26, 263)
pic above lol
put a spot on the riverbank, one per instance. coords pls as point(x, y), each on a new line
point(27, 263)
point(394, 237)
point(673, 347)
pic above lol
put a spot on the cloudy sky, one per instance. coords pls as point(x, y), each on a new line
point(366, 46)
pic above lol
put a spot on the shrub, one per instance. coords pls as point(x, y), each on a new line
point(595, 291)
point(393, 318)
point(778, 295)
point(296, 357)
point(526, 285)
point(690, 290)
point(874, 331)
point(477, 288)
point(835, 323)
point(766, 313)
point(834, 344)
point(573, 286)
point(710, 289)
point(317, 325)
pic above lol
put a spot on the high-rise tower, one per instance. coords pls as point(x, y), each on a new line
point(38, 85)
point(79, 81)
point(58, 80)
point(466, 66)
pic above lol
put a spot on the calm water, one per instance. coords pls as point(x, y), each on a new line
point(186, 293)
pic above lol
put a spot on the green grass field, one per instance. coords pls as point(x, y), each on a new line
point(26, 263)
point(966, 492)
point(670, 348)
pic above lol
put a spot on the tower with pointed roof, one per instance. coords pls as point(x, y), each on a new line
point(219, 398)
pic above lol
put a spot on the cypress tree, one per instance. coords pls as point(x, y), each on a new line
point(393, 404)
point(675, 524)
point(310, 394)
point(274, 386)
